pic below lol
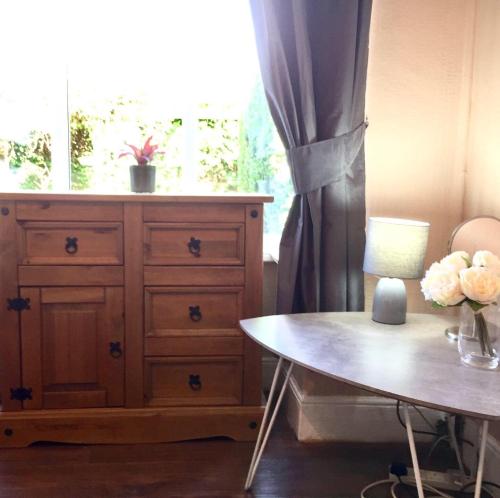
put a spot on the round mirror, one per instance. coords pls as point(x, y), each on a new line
point(477, 234)
point(480, 233)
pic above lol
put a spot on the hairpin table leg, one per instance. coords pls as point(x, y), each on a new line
point(480, 467)
point(413, 451)
point(261, 443)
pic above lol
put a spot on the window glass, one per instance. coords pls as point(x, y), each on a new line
point(87, 78)
point(25, 132)
point(106, 116)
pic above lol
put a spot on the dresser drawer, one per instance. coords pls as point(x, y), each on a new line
point(194, 244)
point(183, 312)
point(62, 243)
point(193, 381)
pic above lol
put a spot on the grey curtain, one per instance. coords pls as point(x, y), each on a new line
point(313, 56)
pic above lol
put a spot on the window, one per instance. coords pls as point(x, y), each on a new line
point(82, 78)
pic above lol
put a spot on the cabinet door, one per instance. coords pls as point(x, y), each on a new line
point(72, 342)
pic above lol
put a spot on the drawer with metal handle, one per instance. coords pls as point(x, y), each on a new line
point(185, 381)
point(192, 311)
point(70, 243)
point(194, 244)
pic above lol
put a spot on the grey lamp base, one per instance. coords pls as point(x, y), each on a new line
point(389, 301)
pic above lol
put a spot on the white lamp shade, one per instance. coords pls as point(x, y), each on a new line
point(395, 247)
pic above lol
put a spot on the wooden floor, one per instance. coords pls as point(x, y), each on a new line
point(214, 468)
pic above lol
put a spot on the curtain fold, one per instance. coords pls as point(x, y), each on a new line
point(313, 56)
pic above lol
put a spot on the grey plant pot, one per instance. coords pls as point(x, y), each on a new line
point(142, 178)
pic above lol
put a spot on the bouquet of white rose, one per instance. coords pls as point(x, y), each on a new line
point(459, 279)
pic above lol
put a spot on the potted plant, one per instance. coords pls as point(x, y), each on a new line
point(142, 174)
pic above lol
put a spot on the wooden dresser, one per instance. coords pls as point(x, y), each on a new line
point(119, 317)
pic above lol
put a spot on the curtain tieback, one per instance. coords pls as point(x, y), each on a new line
point(318, 164)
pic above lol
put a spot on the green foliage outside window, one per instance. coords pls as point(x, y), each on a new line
point(256, 143)
point(234, 155)
point(34, 158)
point(262, 165)
point(219, 153)
point(81, 145)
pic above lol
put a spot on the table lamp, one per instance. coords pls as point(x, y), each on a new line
point(395, 249)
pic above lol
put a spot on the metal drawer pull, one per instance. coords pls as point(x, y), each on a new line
point(115, 349)
point(194, 246)
point(71, 245)
point(195, 313)
point(194, 382)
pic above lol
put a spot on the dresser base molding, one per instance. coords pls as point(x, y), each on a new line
point(128, 426)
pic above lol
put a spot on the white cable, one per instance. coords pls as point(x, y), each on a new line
point(373, 484)
point(434, 490)
point(434, 446)
point(428, 487)
point(395, 485)
point(393, 490)
point(410, 482)
point(405, 480)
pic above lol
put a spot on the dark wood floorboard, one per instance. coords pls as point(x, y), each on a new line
point(213, 468)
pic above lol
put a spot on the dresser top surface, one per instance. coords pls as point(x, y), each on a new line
point(130, 197)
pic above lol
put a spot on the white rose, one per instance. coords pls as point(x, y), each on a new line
point(442, 285)
point(480, 284)
point(456, 261)
point(488, 260)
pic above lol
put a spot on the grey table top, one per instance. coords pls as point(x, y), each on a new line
point(413, 362)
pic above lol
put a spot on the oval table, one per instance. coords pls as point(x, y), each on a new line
point(413, 363)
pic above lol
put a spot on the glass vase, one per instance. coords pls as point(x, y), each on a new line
point(477, 336)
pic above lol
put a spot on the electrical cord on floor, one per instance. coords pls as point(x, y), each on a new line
point(426, 487)
point(406, 482)
point(485, 483)
point(373, 485)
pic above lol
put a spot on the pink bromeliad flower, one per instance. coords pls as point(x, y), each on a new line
point(144, 155)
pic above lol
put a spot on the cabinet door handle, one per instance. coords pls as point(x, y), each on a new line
point(115, 349)
point(194, 382)
point(71, 245)
point(194, 246)
point(195, 313)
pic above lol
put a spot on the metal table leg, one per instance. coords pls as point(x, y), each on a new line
point(480, 468)
point(413, 451)
point(261, 442)
point(416, 468)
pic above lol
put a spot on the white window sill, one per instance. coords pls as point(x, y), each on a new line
point(269, 258)
point(271, 249)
